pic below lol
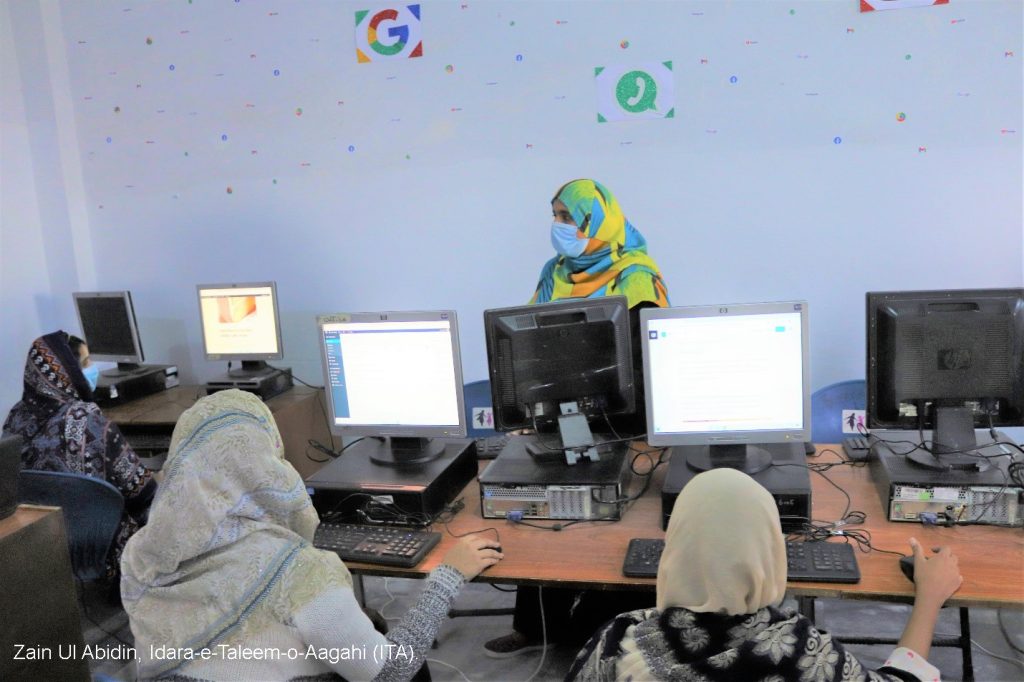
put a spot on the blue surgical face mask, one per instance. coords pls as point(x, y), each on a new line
point(565, 241)
point(92, 375)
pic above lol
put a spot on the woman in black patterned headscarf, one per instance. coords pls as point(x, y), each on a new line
point(63, 430)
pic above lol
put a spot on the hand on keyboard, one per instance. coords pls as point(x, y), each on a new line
point(473, 554)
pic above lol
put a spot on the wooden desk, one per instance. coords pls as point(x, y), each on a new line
point(298, 412)
point(40, 620)
point(589, 555)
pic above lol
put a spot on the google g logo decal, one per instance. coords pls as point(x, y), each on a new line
point(388, 34)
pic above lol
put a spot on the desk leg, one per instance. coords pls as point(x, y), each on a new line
point(805, 605)
point(357, 587)
point(965, 644)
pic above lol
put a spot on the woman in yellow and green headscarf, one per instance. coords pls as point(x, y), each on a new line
point(599, 252)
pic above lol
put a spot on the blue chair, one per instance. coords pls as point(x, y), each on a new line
point(477, 394)
point(827, 405)
point(92, 511)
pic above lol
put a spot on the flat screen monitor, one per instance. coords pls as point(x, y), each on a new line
point(241, 322)
point(948, 361)
point(107, 320)
point(394, 375)
point(722, 380)
point(567, 363)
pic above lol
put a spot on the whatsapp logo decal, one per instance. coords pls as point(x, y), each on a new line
point(636, 92)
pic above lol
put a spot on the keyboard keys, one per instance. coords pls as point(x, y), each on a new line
point(385, 545)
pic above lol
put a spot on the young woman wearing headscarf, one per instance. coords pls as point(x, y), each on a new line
point(721, 580)
point(598, 253)
point(226, 565)
point(63, 430)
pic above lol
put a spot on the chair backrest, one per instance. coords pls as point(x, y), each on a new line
point(92, 511)
point(10, 465)
point(827, 405)
point(479, 414)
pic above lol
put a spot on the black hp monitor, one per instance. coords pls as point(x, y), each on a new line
point(560, 369)
point(107, 320)
point(941, 364)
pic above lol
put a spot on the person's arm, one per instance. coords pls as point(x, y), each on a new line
point(400, 653)
point(936, 578)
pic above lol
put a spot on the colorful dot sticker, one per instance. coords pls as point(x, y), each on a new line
point(733, 79)
point(907, 57)
point(901, 117)
point(230, 191)
point(298, 111)
point(624, 44)
point(837, 140)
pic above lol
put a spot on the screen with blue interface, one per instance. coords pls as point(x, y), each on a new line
point(385, 373)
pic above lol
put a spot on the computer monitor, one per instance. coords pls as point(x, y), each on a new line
point(394, 376)
point(949, 361)
point(107, 320)
point(241, 322)
point(566, 363)
point(722, 380)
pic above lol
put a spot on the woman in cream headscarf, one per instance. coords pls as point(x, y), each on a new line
point(225, 571)
point(721, 581)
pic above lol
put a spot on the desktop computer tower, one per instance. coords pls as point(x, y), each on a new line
point(912, 493)
point(266, 386)
point(345, 485)
point(520, 485)
point(789, 485)
point(134, 385)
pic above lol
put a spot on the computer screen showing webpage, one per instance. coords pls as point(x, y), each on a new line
point(239, 321)
point(726, 373)
point(392, 373)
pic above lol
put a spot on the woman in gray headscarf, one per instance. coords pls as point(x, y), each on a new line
point(224, 583)
point(721, 580)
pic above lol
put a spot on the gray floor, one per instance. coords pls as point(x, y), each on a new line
point(459, 655)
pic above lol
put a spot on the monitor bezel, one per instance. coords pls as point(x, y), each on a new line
point(126, 298)
point(874, 300)
point(396, 430)
point(214, 357)
point(754, 437)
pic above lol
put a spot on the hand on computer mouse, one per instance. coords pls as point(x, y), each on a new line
point(935, 578)
point(472, 554)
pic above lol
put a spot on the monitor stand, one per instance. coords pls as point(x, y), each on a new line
point(952, 443)
point(750, 459)
point(397, 452)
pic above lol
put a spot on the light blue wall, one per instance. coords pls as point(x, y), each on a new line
point(743, 195)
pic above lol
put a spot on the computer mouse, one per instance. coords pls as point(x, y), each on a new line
point(907, 566)
point(497, 549)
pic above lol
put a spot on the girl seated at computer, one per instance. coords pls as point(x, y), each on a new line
point(721, 580)
point(226, 565)
point(63, 430)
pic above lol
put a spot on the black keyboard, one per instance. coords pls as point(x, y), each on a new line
point(385, 545)
point(857, 448)
point(491, 446)
point(148, 442)
point(820, 562)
